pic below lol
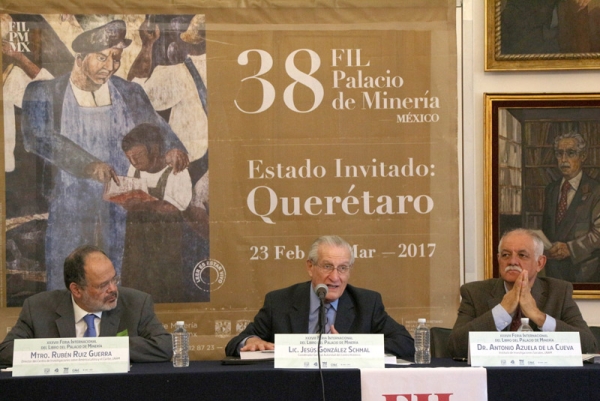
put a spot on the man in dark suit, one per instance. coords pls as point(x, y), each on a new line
point(92, 296)
point(572, 215)
point(350, 309)
point(493, 304)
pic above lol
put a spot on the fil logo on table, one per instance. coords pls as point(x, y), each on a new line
point(418, 397)
point(18, 37)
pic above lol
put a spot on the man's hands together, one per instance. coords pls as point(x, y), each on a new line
point(559, 251)
point(520, 295)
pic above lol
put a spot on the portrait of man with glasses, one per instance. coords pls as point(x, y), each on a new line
point(93, 305)
point(349, 309)
point(571, 219)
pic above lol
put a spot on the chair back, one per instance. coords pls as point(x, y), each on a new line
point(439, 342)
point(596, 332)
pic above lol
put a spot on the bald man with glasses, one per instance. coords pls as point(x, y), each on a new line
point(349, 309)
point(92, 305)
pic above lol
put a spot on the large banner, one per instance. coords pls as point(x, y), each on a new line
point(319, 120)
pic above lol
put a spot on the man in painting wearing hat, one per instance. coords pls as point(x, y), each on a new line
point(75, 123)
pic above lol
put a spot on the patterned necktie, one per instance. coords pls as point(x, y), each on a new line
point(562, 203)
point(516, 322)
point(91, 327)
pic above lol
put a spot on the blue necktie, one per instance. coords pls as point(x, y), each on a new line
point(91, 327)
point(330, 315)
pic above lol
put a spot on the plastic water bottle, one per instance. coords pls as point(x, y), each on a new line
point(181, 357)
point(525, 325)
point(422, 343)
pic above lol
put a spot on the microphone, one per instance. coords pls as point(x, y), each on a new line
point(321, 291)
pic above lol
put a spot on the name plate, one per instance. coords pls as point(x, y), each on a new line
point(70, 356)
point(516, 348)
point(338, 351)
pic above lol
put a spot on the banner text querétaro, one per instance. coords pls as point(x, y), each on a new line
point(331, 205)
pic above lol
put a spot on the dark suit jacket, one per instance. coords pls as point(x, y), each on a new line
point(580, 229)
point(359, 311)
point(50, 315)
point(553, 297)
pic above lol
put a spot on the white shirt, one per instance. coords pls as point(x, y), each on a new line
point(97, 98)
point(178, 190)
point(80, 325)
point(200, 198)
point(575, 181)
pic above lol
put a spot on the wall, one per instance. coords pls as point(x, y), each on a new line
point(476, 82)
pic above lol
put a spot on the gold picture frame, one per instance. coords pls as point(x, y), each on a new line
point(535, 40)
point(520, 167)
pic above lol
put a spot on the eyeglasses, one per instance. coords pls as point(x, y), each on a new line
point(116, 280)
point(570, 153)
point(329, 268)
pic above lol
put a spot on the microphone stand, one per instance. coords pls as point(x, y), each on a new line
point(322, 323)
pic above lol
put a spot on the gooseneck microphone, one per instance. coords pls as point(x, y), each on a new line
point(321, 291)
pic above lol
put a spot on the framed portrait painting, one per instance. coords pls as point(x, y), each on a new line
point(542, 172)
point(542, 35)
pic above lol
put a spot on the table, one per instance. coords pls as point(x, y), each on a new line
point(201, 381)
point(210, 380)
point(535, 383)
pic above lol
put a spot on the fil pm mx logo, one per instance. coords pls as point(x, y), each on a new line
point(18, 37)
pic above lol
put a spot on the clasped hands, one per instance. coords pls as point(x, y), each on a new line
point(559, 251)
point(258, 344)
point(520, 296)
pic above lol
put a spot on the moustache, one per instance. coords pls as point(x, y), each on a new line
point(513, 268)
point(112, 294)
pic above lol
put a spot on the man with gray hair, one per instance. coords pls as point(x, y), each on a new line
point(572, 215)
point(497, 304)
point(349, 309)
